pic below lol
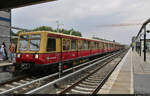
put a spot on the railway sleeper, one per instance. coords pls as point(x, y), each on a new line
point(9, 86)
point(86, 86)
point(16, 83)
point(84, 89)
point(2, 89)
point(93, 81)
point(89, 83)
point(74, 91)
point(95, 77)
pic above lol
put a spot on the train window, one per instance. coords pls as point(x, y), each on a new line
point(73, 44)
point(92, 45)
point(100, 45)
point(88, 44)
point(35, 44)
point(95, 45)
point(108, 45)
point(84, 44)
point(68, 45)
point(51, 44)
point(105, 45)
point(64, 44)
point(23, 43)
point(79, 44)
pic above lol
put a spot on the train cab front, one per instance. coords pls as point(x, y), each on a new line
point(28, 50)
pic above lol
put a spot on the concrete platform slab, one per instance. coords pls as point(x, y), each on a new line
point(5, 64)
point(131, 76)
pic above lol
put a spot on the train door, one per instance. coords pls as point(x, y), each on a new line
point(79, 48)
point(73, 51)
point(89, 47)
point(65, 49)
point(100, 47)
point(108, 44)
point(85, 51)
point(52, 50)
point(97, 47)
point(113, 47)
point(105, 47)
point(92, 47)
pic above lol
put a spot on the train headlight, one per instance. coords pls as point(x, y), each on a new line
point(36, 56)
point(18, 55)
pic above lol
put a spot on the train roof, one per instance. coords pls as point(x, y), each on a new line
point(55, 33)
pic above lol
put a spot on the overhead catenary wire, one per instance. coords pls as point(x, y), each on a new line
point(17, 28)
point(119, 25)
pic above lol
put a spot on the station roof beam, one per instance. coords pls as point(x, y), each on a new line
point(9, 4)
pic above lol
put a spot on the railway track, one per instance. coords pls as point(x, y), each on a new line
point(92, 83)
point(27, 85)
point(17, 81)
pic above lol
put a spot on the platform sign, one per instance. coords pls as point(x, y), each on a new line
point(5, 20)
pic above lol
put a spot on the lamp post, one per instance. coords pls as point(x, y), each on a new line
point(145, 43)
point(60, 63)
point(57, 22)
point(140, 36)
point(140, 44)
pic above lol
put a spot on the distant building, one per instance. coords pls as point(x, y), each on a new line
point(5, 20)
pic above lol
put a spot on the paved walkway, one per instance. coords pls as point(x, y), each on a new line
point(141, 74)
point(2, 64)
point(131, 76)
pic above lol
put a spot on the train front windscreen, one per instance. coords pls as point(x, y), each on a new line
point(29, 42)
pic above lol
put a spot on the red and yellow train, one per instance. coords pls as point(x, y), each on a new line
point(45, 50)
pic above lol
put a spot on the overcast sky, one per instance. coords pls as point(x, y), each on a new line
point(85, 16)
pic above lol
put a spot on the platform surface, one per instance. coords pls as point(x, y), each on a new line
point(2, 64)
point(131, 76)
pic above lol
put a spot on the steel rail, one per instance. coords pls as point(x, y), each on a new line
point(49, 76)
point(71, 74)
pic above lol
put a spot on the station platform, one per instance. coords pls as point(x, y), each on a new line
point(131, 76)
point(3, 64)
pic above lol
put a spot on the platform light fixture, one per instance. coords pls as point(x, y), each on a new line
point(148, 31)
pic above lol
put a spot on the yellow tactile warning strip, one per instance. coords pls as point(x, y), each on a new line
point(121, 80)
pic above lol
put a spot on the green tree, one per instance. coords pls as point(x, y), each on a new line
point(64, 31)
point(13, 33)
point(43, 28)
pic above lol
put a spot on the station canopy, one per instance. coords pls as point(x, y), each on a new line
point(9, 4)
